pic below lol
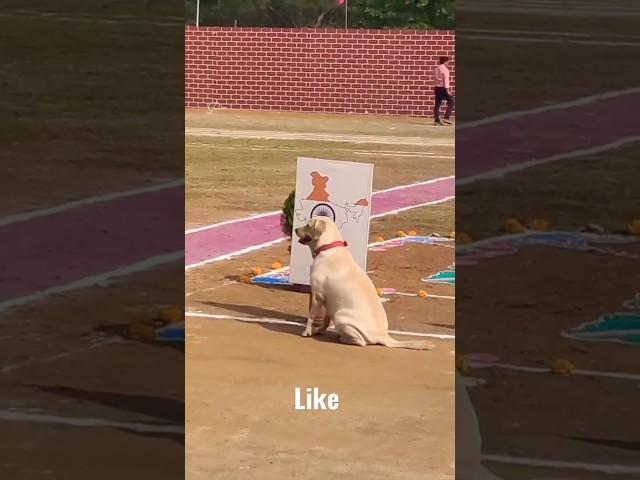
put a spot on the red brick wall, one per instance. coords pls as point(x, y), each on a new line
point(320, 70)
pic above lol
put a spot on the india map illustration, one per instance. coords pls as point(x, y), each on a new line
point(318, 204)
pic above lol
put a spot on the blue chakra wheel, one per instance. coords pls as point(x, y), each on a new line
point(323, 210)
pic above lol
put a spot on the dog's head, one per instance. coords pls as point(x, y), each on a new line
point(319, 231)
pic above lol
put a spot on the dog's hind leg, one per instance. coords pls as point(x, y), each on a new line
point(351, 336)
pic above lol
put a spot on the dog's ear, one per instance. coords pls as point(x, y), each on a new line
point(318, 226)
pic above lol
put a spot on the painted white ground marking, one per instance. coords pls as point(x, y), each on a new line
point(547, 108)
point(227, 256)
point(107, 197)
point(100, 278)
point(566, 8)
point(323, 137)
point(528, 32)
point(260, 148)
point(93, 19)
point(274, 242)
point(584, 152)
point(15, 366)
point(195, 292)
point(410, 185)
point(561, 41)
point(229, 222)
point(15, 416)
point(277, 212)
point(536, 462)
point(278, 321)
point(411, 207)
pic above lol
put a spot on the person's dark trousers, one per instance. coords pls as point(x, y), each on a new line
point(441, 94)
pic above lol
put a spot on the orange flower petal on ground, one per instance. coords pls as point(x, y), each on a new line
point(539, 224)
point(463, 238)
point(562, 366)
point(512, 225)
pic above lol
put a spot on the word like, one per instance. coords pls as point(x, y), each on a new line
point(315, 400)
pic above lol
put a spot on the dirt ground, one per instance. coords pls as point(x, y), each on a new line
point(536, 60)
point(396, 419)
point(545, 415)
point(80, 127)
point(217, 168)
point(64, 357)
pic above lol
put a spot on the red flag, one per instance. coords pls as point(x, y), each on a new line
point(340, 3)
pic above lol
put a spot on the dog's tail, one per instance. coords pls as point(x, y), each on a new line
point(411, 344)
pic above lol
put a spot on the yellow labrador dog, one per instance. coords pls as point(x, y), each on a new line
point(342, 292)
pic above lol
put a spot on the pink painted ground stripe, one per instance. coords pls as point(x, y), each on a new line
point(61, 248)
point(506, 143)
point(226, 239)
point(49, 251)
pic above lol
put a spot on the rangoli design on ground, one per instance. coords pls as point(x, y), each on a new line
point(318, 204)
point(620, 327)
point(469, 255)
point(447, 276)
point(281, 276)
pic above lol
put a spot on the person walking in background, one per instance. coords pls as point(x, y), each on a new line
point(442, 91)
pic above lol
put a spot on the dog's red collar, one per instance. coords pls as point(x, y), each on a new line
point(329, 246)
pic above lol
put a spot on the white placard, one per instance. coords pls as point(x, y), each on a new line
point(339, 190)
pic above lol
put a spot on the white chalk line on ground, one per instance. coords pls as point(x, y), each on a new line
point(552, 8)
point(102, 278)
point(279, 270)
point(488, 120)
point(528, 32)
point(324, 137)
point(15, 366)
point(411, 207)
point(550, 33)
point(277, 212)
point(537, 462)
point(236, 253)
point(559, 41)
point(107, 197)
point(548, 108)
point(260, 246)
point(416, 184)
point(195, 292)
point(15, 416)
point(278, 321)
point(586, 373)
point(584, 152)
point(83, 18)
point(387, 153)
point(229, 222)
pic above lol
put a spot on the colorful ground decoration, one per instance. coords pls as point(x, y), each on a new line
point(509, 244)
point(281, 276)
point(445, 276)
point(621, 327)
point(173, 333)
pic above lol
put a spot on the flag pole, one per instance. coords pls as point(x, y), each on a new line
point(346, 14)
point(197, 13)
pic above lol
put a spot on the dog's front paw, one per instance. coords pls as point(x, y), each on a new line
point(307, 332)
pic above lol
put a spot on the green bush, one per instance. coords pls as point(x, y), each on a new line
point(286, 219)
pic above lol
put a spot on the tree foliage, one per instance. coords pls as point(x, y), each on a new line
point(416, 14)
